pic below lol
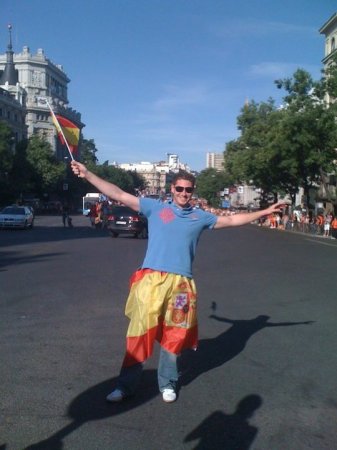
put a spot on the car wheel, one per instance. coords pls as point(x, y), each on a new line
point(114, 234)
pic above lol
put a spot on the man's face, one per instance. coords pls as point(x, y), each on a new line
point(182, 192)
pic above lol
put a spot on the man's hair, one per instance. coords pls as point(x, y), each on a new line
point(183, 175)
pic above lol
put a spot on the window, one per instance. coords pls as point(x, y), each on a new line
point(333, 44)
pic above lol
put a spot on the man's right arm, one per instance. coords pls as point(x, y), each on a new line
point(109, 189)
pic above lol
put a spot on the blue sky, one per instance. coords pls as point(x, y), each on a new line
point(152, 77)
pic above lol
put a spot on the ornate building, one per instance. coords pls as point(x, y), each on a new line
point(27, 82)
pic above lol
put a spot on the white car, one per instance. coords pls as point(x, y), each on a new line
point(16, 217)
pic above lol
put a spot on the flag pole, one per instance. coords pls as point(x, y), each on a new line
point(59, 129)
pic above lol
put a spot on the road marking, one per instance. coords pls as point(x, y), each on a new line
point(322, 243)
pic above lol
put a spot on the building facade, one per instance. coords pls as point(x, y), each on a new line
point(327, 190)
point(215, 161)
point(157, 175)
point(32, 80)
point(12, 112)
point(329, 29)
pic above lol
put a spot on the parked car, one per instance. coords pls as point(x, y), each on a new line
point(125, 220)
point(16, 217)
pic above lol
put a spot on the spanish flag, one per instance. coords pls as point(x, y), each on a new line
point(67, 130)
point(161, 307)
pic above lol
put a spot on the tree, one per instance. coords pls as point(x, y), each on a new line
point(6, 162)
point(6, 153)
point(138, 181)
point(249, 159)
point(209, 183)
point(282, 149)
point(46, 172)
point(21, 171)
point(307, 136)
point(88, 153)
point(116, 176)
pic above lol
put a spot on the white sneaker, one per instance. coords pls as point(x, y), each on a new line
point(115, 396)
point(169, 395)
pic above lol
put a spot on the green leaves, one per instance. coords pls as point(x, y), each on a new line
point(282, 149)
point(6, 153)
point(6, 161)
point(45, 171)
point(209, 183)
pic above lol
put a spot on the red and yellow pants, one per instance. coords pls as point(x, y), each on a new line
point(161, 306)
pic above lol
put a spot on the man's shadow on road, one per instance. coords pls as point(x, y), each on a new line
point(91, 405)
point(214, 352)
point(228, 431)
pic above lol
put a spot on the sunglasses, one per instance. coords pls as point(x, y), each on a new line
point(189, 190)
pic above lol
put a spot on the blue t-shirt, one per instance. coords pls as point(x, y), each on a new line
point(173, 235)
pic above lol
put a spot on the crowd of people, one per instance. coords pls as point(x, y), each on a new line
point(321, 224)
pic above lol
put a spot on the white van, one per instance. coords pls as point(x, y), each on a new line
point(91, 198)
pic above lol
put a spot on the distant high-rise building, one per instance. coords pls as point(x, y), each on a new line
point(27, 82)
point(215, 161)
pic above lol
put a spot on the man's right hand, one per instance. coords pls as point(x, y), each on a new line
point(79, 169)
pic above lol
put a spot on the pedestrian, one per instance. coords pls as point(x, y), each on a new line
point(327, 223)
point(162, 300)
point(65, 214)
point(93, 213)
point(105, 213)
point(98, 218)
point(319, 223)
point(334, 227)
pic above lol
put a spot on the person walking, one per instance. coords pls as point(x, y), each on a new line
point(162, 302)
point(334, 227)
point(65, 213)
point(327, 224)
point(93, 213)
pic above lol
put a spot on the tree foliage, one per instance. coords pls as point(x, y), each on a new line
point(307, 138)
point(46, 171)
point(6, 153)
point(88, 152)
point(282, 149)
point(32, 169)
point(138, 181)
point(250, 159)
point(208, 184)
point(116, 176)
point(21, 171)
point(6, 161)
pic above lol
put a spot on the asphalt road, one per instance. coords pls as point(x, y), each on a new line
point(264, 376)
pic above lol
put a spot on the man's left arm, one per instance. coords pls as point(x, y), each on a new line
point(244, 218)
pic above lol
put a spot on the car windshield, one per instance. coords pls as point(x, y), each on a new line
point(13, 210)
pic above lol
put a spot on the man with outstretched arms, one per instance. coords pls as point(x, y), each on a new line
point(162, 302)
